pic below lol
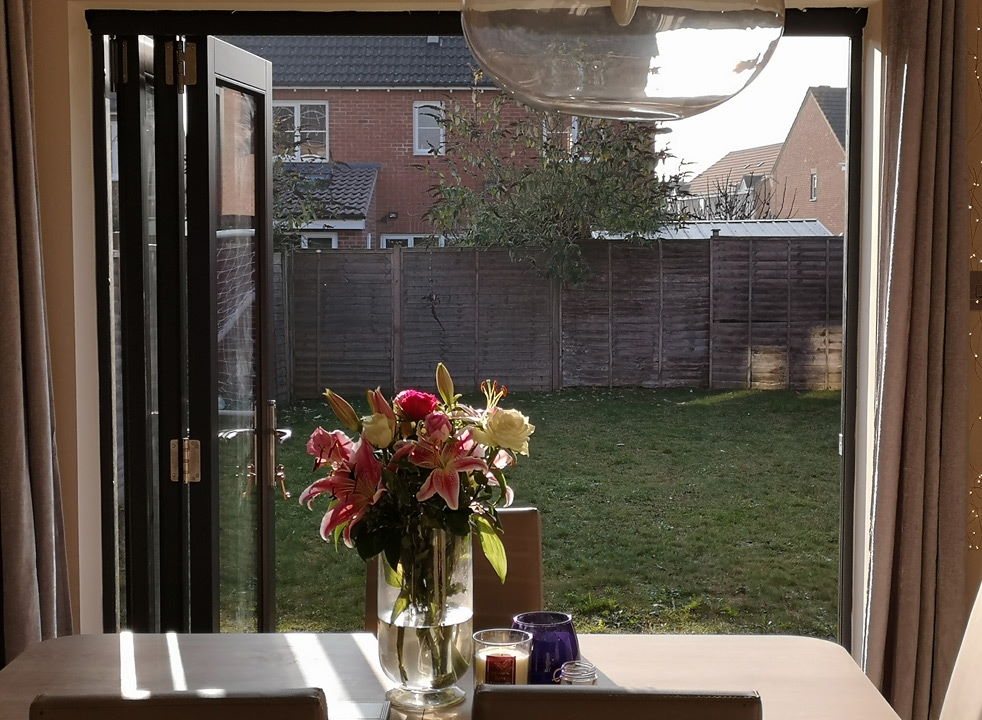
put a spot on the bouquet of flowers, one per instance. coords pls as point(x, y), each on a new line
point(420, 462)
point(422, 476)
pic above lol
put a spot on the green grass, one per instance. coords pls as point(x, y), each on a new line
point(663, 511)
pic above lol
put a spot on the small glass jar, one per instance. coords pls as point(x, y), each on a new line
point(577, 672)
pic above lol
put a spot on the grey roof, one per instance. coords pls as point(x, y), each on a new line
point(703, 229)
point(832, 101)
point(344, 191)
point(364, 61)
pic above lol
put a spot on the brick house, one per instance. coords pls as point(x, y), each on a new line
point(804, 176)
point(811, 166)
point(364, 113)
point(741, 180)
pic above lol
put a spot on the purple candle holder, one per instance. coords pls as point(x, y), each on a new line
point(553, 643)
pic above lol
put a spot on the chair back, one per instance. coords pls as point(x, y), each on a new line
point(963, 701)
point(572, 702)
point(495, 603)
point(286, 704)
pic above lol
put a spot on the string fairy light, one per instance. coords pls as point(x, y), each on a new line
point(975, 333)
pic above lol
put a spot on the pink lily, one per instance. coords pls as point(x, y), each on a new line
point(447, 461)
point(355, 485)
point(329, 447)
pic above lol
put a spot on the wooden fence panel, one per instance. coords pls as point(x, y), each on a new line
point(439, 316)
point(685, 313)
point(728, 312)
point(636, 316)
point(731, 301)
point(342, 321)
point(586, 323)
point(514, 323)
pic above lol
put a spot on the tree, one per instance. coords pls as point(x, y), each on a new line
point(540, 184)
point(753, 198)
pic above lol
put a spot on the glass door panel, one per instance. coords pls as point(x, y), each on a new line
point(238, 363)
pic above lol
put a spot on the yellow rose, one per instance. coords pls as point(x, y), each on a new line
point(507, 429)
point(378, 429)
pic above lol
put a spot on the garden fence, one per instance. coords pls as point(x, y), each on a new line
point(719, 313)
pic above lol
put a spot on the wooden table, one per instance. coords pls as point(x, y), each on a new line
point(797, 678)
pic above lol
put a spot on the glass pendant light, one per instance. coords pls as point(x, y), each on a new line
point(623, 59)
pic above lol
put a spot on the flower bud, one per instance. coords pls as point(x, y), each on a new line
point(344, 412)
point(444, 383)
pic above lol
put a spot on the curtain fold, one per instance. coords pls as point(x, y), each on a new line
point(916, 586)
point(34, 594)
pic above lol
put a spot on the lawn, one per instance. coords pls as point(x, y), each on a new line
point(677, 511)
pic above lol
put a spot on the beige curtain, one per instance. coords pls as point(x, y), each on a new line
point(34, 596)
point(915, 613)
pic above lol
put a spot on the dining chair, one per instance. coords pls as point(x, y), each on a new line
point(284, 704)
point(572, 702)
point(495, 603)
point(963, 701)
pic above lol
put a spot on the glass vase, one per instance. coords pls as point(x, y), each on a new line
point(425, 618)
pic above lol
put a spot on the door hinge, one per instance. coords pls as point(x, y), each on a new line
point(180, 64)
point(185, 460)
point(117, 63)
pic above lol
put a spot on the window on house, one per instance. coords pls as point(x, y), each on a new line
point(813, 186)
point(300, 131)
point(428, 133)
point(319, 241)
point(391, 240)
point(560, 130)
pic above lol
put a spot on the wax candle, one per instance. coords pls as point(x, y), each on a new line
point(501, 666)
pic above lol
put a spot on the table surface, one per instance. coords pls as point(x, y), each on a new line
point(797, 678)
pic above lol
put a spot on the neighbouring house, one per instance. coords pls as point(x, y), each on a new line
point(811, 168)
point(735, 187)
point(802, 177)
point(364, 111)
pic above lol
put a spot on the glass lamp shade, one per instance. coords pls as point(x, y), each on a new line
point(623, 59)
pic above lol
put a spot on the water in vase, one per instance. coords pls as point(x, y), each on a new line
point(425, 657)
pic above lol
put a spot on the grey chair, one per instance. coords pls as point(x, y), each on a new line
point(286, 704)
point(494, 603)
point(571, 702)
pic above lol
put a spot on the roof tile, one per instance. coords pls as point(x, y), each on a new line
point(363, 61)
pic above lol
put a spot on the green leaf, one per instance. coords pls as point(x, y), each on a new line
point(494, 549)
point(393, 578)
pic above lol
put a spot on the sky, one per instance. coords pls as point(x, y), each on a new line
point(762, 114)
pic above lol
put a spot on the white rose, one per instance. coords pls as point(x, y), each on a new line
point(378, 429)
point(507, 429)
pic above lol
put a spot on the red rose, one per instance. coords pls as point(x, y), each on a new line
point(414, 404)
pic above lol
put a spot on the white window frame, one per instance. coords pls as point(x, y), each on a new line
point(570, 130)
point(410, 239)
point(307, 236)
point(813, 186)
point(295, 105)
point(420, 106)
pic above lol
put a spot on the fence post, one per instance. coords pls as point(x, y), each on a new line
point(661, 310)
point(477, 317)
point(610, 314)
point(750, 312)
point(712, 308)
point(395, 277)
point(319, 317)
point(787, 333)
point(556, 332)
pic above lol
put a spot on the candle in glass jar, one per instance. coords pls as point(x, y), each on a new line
point(501, 666)
point(501, 656)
